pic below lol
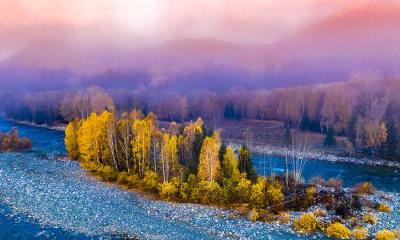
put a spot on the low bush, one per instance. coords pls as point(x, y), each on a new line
point(108, 174)
point(133, 181)
point(364, 188)
point(360, 233)
point(343, 210)
point(334, 183)
point(168, 191)
point(244, 189)
point(253, 215)
point(206, 192)
point(370, 218)
point(318, 180)
point(122, 178)
point(382, 207)
point(284, 217)
point(266, 216)
point(91, 167)
point(310, 194)
point(338, 230)
point(385, 235)
point(274, 196)
point(257, 197)
point(319, 212)
point(150, 181)
point(306, 223)
point(397, 233)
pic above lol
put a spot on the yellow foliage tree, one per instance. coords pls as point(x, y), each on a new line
point(141, 145)
point(209, 167)
point(124, 132)
point(231, 165)
point(92, 139)
point(169, 156)
point(71, 139)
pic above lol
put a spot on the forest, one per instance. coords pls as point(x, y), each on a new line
point(365, 112)
point(190, 163)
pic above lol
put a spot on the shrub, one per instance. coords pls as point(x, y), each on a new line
point(206, 192)
point(319, 212)
point(360, 233)
point(187, 187)
point(318, 180)
point(244, 189)
point(243, 208)
point(385, 235)
point(266, 216)
point(397, 233)
point(306, 223)
point(382, 207)
point(370, 218)
point(274, 196)
point(335, 183)
point(364, 188)
point(253, 215)
point(168, 190)
point(338, 230)
point(343, 210)
point(229, 192)
point(91, 167)
point(214, 192)
point(133, 181)
point(122, 178)
point(108, 174)
point(184, 192)
point(310, 195)
point(284, 217)
point(257, 196)
point(150, 181)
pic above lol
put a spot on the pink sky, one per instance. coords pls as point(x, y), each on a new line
point(94, 35)
point(252, 21)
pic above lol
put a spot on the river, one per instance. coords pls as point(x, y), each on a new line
point(42, 197)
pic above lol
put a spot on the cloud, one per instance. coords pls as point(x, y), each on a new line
point(254, 21)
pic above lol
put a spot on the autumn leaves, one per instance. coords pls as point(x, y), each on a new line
point(135, 144)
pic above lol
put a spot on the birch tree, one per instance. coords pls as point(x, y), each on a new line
point(209, 167)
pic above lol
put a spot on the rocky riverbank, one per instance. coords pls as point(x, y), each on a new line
point(57, 127)
point(315, 155)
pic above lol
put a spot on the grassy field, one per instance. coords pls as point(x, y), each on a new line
point(260, 133)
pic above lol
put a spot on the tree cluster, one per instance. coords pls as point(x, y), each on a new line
point(12, 142)
point(182, 163)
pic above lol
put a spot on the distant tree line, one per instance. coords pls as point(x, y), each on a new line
point(366, 112)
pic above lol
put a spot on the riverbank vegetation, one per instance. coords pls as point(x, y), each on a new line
point(190, 163)
point(12, 142)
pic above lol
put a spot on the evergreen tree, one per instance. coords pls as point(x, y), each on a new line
point(330, 139)
point(229, 111)
point(221, 152)
point(246, 163)
point(391, 147)
point(287, 136)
